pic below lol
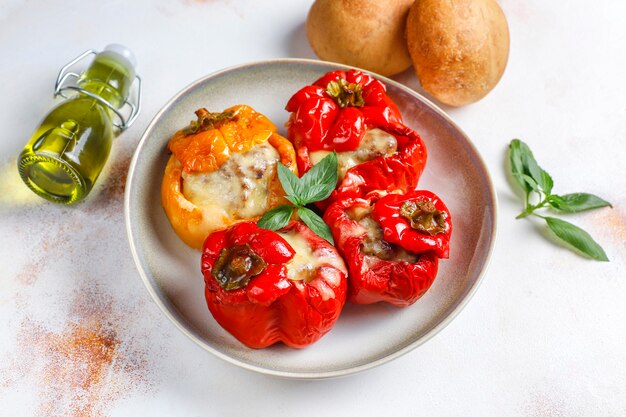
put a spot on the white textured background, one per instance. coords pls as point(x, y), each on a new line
point(545, 335)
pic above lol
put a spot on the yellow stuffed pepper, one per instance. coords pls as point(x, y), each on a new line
point(223, 170)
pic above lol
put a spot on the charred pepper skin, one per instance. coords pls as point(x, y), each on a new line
point(372, 279)
point(321, 121)
point(272, 307)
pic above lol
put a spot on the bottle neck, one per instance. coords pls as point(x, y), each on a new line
point(109, 78)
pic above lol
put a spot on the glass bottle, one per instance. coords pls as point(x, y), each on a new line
point(68, 150)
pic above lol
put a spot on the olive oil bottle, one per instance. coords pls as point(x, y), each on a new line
point(68, 150)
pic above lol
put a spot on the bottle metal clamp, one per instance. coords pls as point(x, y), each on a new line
point(67, 80)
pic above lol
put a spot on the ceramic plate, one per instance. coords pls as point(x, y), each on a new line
point(364, 336)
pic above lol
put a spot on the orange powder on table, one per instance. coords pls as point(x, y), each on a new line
point(80, 361)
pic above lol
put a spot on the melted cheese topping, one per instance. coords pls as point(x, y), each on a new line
point(240, 186)
point(374, 246)
point(374, 144)
point(304, 264)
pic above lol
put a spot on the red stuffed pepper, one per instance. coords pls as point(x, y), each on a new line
point(350, 112)
point(391, 245)
point(264, 287)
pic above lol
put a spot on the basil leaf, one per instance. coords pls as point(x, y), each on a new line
point(545, 182)
point(517, 166)
point(292, 185)
point(576, 237)
point(276, 218)
point(320, 181)
point(527, 179)
point(315, 223)
point(577, 202)
point(532, 168)
point(523, 162)
point(317, 192)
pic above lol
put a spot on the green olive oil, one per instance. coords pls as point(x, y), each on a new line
point(68, 150)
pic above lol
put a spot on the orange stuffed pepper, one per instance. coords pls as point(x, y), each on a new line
point(223, 170)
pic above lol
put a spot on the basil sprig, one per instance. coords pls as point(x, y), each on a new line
point(537, 184)
point(316, 185)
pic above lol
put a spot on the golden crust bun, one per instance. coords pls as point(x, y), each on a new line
point(459, 48)
point(367, 34)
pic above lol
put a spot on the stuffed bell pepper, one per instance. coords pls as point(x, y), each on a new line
point(391, 245)
point(223, 170)
point(350, 112)
point(265, 287)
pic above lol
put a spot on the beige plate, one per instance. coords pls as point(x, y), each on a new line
point(364, 336)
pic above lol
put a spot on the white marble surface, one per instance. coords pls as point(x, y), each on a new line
point(545, 334)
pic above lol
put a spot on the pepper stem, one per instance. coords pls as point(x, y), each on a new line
point(424, 217)
point(345, 94)
point(236, 265)
point(207, 120)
